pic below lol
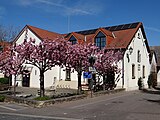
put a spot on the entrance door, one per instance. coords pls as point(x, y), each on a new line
point(26, 78)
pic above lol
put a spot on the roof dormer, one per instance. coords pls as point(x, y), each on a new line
point(100, 40)
point(73, 40)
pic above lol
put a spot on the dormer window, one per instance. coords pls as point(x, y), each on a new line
point(100, 40)
point(1, 48)
point(73, 40)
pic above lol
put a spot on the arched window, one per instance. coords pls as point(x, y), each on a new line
point(100, 40)
point(73, 40)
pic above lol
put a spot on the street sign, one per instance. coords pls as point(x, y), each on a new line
point(87, 75)
point(92, 69)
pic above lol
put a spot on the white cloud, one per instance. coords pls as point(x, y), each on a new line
point(65, 7)
point(153, 29)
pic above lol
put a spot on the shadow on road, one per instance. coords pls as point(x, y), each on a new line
point(153, 101)
point(151, 91)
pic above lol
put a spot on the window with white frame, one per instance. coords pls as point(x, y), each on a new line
point(68, 74)
point(143, 74)
point(133, 71)
point(138, 56)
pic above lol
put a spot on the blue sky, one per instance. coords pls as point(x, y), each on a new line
point(73, 15)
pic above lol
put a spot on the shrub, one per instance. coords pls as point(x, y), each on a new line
point(140, 84)
point(2, 98)
point(4, 80)
point(42, 98)
point(150, 82)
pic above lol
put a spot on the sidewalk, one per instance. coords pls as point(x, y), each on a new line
point(152, 90)
point(34, 91)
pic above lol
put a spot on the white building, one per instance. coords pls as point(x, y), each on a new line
point(130, 38)
point(155, 61)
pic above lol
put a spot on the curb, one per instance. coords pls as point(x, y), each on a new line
point(40, 104)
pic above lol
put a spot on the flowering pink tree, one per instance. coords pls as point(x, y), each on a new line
point(11, 63)
point(44, 55)
point(78, 59)
point(107, 62)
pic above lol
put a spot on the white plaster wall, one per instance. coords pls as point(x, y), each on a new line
point(129, 83)
point(120, 83)
point(34, 75)
point(56, 73)
point(1, 75)
point(29, 35)
point(158, 77)
point(136, 44)
point(153, 64)
point(74, 79)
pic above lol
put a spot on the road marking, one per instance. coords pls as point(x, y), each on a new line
point(8, 108)
point(91, 103)
point(37, 116)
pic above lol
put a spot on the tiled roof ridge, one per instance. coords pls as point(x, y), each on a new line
point(108, 28)
point(30, 26)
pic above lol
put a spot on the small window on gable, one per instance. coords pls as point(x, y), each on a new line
point(133, 71)
point(139, 36)
point(100, 40)
point(138, 56)
point(73, 40)
point(143, 74)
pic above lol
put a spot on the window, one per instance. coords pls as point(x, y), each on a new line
point(100, 40)
point(138, 56)
point(139, 67)
point(35, 72)
point(68, 74)
point(143, 71)
point(133, 71)
point(73, 40)
point(1, 48)
point(139, 36)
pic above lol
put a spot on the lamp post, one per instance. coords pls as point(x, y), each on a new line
point(92, 60)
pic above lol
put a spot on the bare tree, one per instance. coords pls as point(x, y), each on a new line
point(2, 33)
point(8, 33)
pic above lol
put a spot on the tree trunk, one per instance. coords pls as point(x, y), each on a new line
point(14, 87)
point(79, 82)
point(41, 83)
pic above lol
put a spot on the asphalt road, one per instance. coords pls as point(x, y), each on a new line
point(133, 105)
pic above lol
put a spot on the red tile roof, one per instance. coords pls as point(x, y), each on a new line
point(122, 38)
point(118, 36)
point(5, 44)
point(44, 34)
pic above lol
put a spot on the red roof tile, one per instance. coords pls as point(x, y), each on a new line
point(122, 38)
point(44, 34)
point(5, 44)
point(117, 36)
